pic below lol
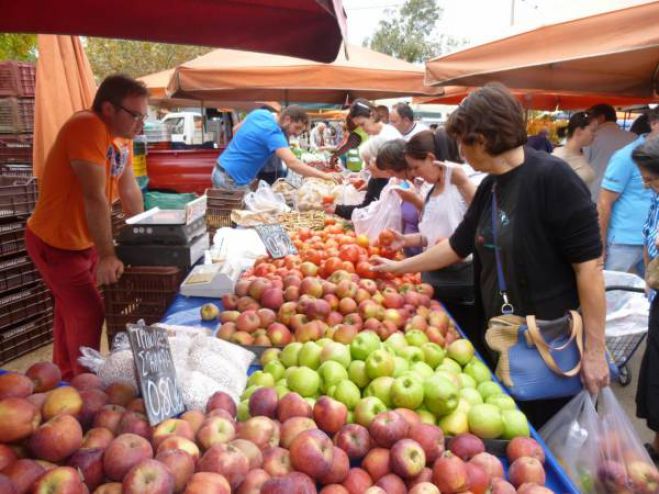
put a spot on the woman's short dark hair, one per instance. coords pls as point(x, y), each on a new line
point(115, 88)
point(579, 120)
point(391, 156)
point(420, 145)
point(490, 113)
point(363, 108)
point(646, 156)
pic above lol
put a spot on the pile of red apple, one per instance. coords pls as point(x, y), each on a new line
point(82, 438)
point(328, 290)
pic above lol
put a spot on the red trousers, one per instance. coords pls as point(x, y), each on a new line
point(79, 313)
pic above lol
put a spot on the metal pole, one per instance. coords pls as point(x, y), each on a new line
point(512, 12)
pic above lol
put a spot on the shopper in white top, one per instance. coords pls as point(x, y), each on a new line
point(402, 117)
point(364, 114)
point(608, 139)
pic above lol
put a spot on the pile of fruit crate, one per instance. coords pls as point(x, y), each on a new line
point(26, 308)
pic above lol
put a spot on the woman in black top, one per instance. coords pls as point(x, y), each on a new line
point(547, 229)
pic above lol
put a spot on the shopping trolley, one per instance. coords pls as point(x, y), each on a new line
point(627, 310)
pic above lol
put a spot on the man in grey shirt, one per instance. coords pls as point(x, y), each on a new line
point(608, 139)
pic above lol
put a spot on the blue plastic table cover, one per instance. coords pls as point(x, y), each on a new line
point(185, 311)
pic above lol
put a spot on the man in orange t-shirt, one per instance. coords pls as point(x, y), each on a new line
point(69, 235)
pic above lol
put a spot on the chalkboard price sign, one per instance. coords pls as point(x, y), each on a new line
point(276, 240)
point(155, 372)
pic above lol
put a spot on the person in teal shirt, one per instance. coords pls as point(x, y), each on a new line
point(623, 206)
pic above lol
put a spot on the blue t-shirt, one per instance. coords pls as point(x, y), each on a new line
point(257, 138)
point(631, 209)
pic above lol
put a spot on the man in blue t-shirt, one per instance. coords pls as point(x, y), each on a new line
point(258, 137)
point(623, 207)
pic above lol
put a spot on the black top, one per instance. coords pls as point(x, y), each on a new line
point(550, 223)
point(373, 191)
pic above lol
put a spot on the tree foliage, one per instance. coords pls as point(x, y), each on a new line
point(410, 32)
point(136, 58)
point(14, 46)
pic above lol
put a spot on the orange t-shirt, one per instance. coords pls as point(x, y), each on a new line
point(59, 216)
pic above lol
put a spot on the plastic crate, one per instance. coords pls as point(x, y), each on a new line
point(12, 240)
point(16, 149)
point(16, 170)
point(16, 273)
point(141, 293)
point(26, 337)
point(17, 79)
point(18, 196)
point(23, 305)
point(9, 116)
point(25, 115)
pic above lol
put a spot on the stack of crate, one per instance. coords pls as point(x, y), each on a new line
point(26, 309)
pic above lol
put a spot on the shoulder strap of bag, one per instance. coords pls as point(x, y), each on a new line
point(506, 307)
point(576, 334)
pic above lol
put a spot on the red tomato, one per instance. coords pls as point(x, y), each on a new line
point(304, 233)
point(349, 252)
point(363, 269)
point(313, 256)
point(348, 266)
point(386, 237)
point(332, 264)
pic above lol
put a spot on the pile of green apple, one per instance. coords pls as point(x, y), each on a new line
point(448, 387)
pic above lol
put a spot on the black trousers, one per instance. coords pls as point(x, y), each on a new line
point(647, 393)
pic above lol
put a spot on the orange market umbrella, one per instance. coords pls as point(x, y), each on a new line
point(611, 53)
point(539, 100)
point(157, 86)
point(301, 28)
point(240, 75)
point(65, 84)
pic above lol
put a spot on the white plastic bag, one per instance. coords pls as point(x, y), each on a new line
point(572, 435)
point(348, 195)
point(379, 215)
point(443, 213)
point(626, 312)
point(265, 199)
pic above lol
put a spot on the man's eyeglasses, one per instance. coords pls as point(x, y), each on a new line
point(137, 116)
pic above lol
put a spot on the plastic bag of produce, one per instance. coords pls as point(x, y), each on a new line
point(623, 463)
point(379, 215)
point(573, 436)
point(265, 199)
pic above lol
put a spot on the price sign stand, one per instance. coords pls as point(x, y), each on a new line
point(155, 372)
point(276, 240)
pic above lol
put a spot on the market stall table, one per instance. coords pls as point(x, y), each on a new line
point(186, 311)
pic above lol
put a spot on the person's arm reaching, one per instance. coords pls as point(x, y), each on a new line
point(130, 194)
point(373, 191)
point(97, 212)
point(590, 285)
point(287, 156)
point(436, 257)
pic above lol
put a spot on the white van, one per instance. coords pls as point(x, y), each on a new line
point(186, 127)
